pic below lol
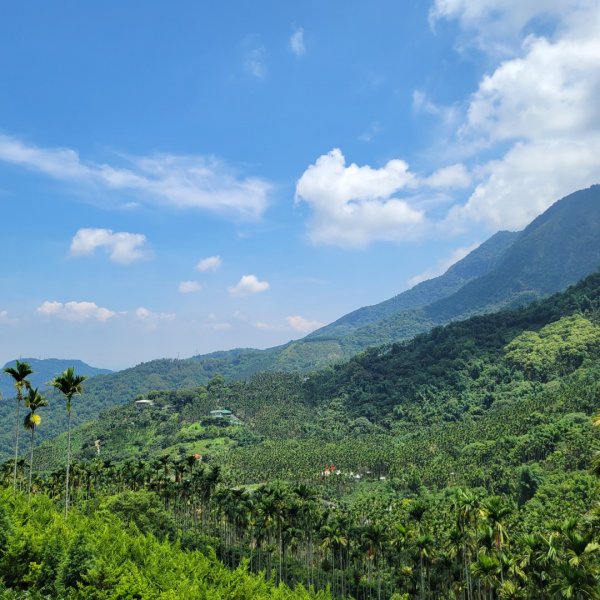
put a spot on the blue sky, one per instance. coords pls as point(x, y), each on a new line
point(323, 155)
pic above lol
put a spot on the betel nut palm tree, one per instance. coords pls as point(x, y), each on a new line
point(19, 373)
point(33, 401)
point(69, 384)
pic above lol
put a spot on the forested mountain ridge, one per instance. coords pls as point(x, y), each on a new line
point(559, 247)
point(455, 374)
point(458, 464)
point(555, 250)
point(46, 369)
point(478, 262)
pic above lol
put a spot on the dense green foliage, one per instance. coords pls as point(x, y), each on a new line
point(459, 464)
point(454, 465)
point(456, 379)
point(99, 553)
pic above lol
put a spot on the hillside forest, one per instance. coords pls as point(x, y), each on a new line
point(460, 464)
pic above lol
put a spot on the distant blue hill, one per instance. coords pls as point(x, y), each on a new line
point(44, 370)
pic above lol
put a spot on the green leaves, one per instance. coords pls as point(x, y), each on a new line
point(69, 384)
point(562, 345)
point(94, 556)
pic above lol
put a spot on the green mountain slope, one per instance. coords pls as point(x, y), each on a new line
point(473, 442)
point(454, 382)
point(510, 269)
point(164, 374)
point(559, 247)
point(44, 370)
point(477, 263)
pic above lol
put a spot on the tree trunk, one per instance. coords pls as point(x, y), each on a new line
point(30, 463)
point(68, 466)
point(17, 444)
point(280, 551)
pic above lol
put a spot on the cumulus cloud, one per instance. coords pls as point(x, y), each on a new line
point(534, 116)
point(185, 182)
point(526, 181)
point(544, 106)
point(353, 206)
point(247, 285)
point(303, 325)
point(297, 42)
point(551, 91)
point(189, 287)
point(497, 25)
point(442, 265)
point(211, 263)
point(75, 311)
point(122, 247)
point(451, 177)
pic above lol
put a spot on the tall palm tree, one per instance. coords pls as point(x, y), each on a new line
point(68, 384)
point(33, 401)
point(486, 569)
point(19, 373)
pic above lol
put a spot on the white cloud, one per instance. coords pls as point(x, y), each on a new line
point(248, 284)
point(122, 247)
point(421, 103)
point(254, 57)
point(549, 92)
point(303, 325)
point(143, 314)
point(451, 177)
point(367, 136)
point(353, 206)
point(497, 25)
point(544, 106)
point(184, 182)
point(211, 263)
point(527, 180)
point(297, 42)
point(442, 265)
point(3, 315)
point(149, 320)
point(189, 287)
point(75, 311)
point(264, 326)
point(536, 114)
point(213, 322)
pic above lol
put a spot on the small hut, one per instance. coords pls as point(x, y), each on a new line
point(143, 404)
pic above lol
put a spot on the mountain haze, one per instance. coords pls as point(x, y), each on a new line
point(46, 369)
point(477, 263)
